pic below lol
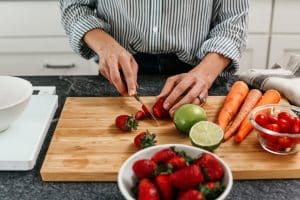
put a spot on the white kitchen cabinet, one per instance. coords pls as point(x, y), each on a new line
point(42, 56)
point(33, 42)
point(282, 45)
point(30, 18)
point(286, 16)
point(255, 55)
point(260, 16)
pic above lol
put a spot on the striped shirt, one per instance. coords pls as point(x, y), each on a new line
point(188, 28)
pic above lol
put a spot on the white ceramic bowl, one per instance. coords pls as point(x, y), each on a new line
point(15, 94)
point(127, 179)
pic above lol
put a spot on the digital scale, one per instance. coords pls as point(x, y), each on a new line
point(21, 143)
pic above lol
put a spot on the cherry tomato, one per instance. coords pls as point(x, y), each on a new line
point(272, 145)
point(273, 127)
point(270, 139)
point(283, 115)
point(272, 119)
point(288, 117)
point(262, 119)
point(285, 142)
point(284, 125)
point(296, 127)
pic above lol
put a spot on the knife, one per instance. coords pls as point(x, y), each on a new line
point(141, 102)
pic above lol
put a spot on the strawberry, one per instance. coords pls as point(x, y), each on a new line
point(147, 190)
point(177, 162)
point(212, 168)
point(211, 190)
point(163, 155)
point(158, 109)
point(164, 186)
point(139, 115)
point(126, 123)
point(187, 177)
point(190, 195)
point(146, 111)
point(144, 168)
point(144, 140)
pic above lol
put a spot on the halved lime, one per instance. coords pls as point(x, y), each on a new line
point(206, 135)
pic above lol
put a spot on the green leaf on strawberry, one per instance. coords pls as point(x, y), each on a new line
point(211, 190)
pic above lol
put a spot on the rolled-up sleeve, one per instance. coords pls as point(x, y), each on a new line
point(79, 17)
point(229, 32)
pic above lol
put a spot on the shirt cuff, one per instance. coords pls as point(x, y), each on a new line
point(81, 27)
point(226, 47)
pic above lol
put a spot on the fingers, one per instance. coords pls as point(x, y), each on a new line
point(191, 95)
point(135, 68)
point(168, 87)
point(130, 73)
point(104, 70)
point(178, 90)
point(196, 101)
point(115, 77)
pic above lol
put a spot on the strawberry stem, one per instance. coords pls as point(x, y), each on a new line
point(148, 140)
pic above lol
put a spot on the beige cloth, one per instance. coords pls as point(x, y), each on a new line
point(284, 76)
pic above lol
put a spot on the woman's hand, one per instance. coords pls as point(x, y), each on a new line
point(115, 61)
point(192, 87)
point(184, 88)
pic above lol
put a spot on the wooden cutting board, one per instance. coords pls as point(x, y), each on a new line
point(87, 146)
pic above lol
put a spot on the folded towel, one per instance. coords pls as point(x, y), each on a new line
point(283, 76)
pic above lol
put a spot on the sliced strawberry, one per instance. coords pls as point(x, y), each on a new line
point(147, 190)
point(139, 115)
point(177, 162)
point(146, 111)
point(144, 168)
point(126, 123)
point(163, 155)
point(144, 140)
point(187, 177)
point(165, 187)
point(158, 109)
point(212, 168)
point(190, 195)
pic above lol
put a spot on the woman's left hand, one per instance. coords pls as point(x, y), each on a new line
point(184, 88)
point(192, 87)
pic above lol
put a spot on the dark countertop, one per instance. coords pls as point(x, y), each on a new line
point(28, 185)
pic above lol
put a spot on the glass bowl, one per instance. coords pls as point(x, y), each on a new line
point(272, 141)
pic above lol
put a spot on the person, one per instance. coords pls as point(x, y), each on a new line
point(208, 35)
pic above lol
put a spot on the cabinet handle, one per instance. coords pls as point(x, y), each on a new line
point(67, 66)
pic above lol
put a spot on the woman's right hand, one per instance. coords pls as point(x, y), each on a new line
point(115, 61)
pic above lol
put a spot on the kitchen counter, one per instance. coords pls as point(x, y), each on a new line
point(28, 185)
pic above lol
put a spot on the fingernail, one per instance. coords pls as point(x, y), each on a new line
point(166, 105)
point(131, 92)
point(171, 113)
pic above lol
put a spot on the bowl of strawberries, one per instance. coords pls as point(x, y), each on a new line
point(278, 127)
point(174, 171)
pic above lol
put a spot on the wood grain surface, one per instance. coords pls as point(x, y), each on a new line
point(86, 145)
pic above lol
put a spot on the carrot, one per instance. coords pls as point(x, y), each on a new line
point(270, 96)
point(232, 103)
point(251, 100)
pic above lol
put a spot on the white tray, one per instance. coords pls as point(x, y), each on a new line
point(21, 143)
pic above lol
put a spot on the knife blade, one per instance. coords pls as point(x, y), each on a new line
point(141, 102)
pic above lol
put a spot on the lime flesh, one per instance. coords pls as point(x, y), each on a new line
point(206, 135)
